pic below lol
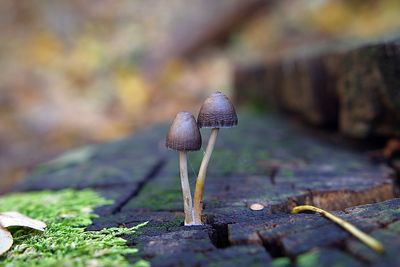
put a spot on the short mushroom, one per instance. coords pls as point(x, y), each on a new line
point(216, 112)
point(183, 136)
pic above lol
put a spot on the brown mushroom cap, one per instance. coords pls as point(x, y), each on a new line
point(217, 111)
point(184, 134)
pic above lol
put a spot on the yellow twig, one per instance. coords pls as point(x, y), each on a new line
point(363, 237)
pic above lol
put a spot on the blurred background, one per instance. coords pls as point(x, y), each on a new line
point(81, 72)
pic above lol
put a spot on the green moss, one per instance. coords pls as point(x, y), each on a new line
point(309, 259)
point(70, 158)
point(105, 172)
point(258, 106)
point(226, 161)
point(64, 243)
point(155, 197)
point(75, 156)
point(178, 221)
point(281, 262)
point(394, 227)
point(286, 173)
point(326, 257)
point(222, 161)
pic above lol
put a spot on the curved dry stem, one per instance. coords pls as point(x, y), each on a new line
point(363, 237)
point(187, 197)
point(198, 194)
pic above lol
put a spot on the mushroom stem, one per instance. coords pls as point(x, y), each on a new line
point(187, 197)
point(198, 194)
point(363, 237)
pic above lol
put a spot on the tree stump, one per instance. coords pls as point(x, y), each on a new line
point(264, 160)
point(354, 89)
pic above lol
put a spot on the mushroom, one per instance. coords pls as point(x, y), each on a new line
point(183, 136)
point(216, 112)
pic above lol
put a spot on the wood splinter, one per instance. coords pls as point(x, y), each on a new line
point(363, 237)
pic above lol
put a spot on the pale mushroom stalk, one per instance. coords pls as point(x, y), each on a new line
point(187, 197)
point(198, 194)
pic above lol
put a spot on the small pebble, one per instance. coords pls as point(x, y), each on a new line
point(256, 206)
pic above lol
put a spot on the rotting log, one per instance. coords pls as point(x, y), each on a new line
point(264, 160)
point(355, 90)
point(369, 91)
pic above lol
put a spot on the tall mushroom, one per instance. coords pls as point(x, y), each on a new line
point(183, 136)
point(216, 112)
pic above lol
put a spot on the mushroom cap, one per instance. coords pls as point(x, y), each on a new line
point(184, 134)
point(217, 111)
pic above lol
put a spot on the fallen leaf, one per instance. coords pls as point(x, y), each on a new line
point(12, 218)
point(6, 240)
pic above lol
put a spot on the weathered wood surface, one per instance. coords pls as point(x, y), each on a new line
point(355, 89)
point(263, 160)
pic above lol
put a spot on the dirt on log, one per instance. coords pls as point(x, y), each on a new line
point(264, 160)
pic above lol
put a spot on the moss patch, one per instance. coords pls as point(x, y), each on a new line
point(281, 262)
point(309, 259)
point(157, 198)
point(64, 243)
point(227, 161)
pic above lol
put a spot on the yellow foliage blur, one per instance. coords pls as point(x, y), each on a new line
point(43, 48)
point(366, 19)
point(132, 91)
point(87, 55)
